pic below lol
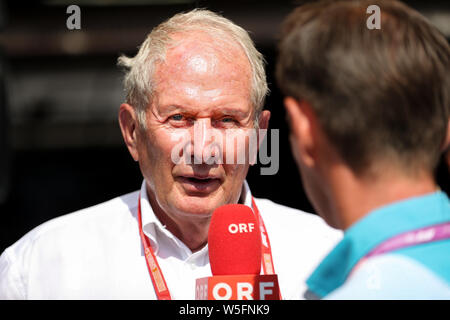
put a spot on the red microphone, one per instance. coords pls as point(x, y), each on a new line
point(234, 243)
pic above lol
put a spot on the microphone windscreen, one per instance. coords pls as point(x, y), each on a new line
point(234, 241)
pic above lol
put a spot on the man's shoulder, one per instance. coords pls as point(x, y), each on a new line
point(299, 241)
point(268, 207)
point(287, 218)
point(283, 214)
point(68, 244)
point(108, 210)
point(79, 223)
point(392, 276)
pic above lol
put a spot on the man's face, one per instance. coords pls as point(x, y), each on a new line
point(200, 89)
point(310, 150)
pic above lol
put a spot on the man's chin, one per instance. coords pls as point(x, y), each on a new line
point(198, 206)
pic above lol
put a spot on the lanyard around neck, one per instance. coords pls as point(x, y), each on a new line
point(159, 283)
point(413, 238)
point(156, 275)
point(408, 239)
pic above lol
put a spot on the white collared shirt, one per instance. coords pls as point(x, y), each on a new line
point(96, 253)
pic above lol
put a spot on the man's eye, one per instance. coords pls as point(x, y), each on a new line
point(227, 120)
point(177, 117)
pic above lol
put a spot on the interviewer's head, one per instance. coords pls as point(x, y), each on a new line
point(375, 101)
point(195, 71)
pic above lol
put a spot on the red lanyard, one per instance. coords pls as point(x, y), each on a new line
point(159, 283)
point(266, 256)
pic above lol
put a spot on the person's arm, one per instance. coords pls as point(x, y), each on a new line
point(11, 280)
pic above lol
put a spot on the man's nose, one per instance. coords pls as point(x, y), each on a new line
point(201, 141)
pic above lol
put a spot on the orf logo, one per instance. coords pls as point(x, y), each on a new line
point(238, 287)
point(242, 291)
point(241, 227)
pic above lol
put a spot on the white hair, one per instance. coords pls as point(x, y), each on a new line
point(138, 81)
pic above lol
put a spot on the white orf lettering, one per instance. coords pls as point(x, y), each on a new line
point(241, 227)
point(244, 290)
point(218, 287)
point(233, 228)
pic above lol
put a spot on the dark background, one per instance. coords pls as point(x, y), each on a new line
point(60, 144)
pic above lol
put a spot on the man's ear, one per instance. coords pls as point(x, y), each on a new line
point(129, 127)
point(263, 124)
point(263, 120)
point(303, 139)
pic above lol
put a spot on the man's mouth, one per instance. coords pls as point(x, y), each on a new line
point(199, 184)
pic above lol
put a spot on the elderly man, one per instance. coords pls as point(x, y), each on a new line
point(369, 115)
point(195, 74)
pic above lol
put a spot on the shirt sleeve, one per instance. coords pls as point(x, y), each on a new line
point(11, 284)
point(392, 276)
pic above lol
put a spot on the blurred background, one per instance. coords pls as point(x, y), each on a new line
point(60, 144)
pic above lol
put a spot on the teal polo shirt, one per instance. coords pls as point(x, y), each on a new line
point(424, 261)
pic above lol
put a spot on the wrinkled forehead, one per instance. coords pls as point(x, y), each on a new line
point(200, 54)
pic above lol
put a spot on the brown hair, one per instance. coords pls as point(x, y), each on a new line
point(378, 94)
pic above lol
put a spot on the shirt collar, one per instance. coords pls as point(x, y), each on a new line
point(375, 228)
point(149, 220)
point(150, 223)
point(246, 195)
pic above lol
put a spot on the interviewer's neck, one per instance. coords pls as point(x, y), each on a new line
point(355, 197)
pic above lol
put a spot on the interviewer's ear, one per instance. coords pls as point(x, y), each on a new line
point(302, 136)
point(446, 143)
point(129, 126)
